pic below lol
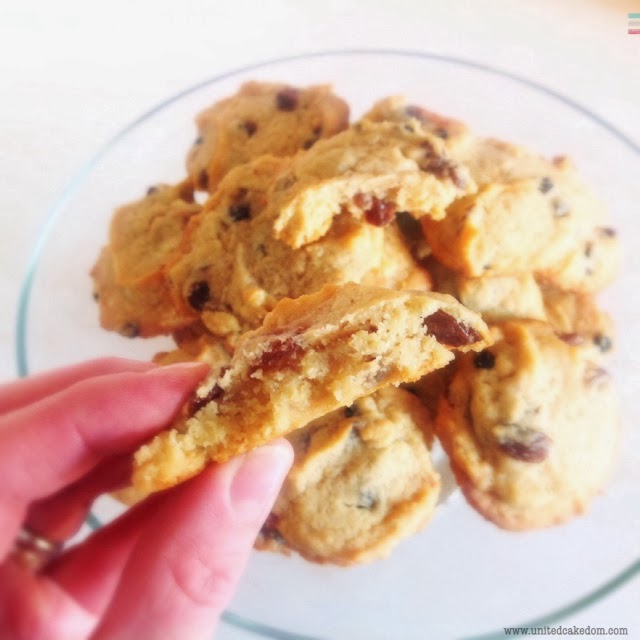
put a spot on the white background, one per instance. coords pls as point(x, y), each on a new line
point(73, 73)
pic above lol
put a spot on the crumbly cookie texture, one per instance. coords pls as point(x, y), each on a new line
point(372, 170)
point(262, 118)
point(362, 481)
point(129, 283)
point(232, 263)
point(311, 356)
point(530, 425)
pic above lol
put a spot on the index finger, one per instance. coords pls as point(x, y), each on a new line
point(20, 393)
point(52, 443)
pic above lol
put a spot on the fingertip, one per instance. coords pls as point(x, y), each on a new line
point(257, 478)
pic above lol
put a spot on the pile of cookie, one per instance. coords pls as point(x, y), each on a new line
point(363, 288)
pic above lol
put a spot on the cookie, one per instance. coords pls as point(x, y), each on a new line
point(577, 319)
point(372, 170)
point(590, 265)
point(311, 356)
point(362, 480)
point(136, 310)
point(397, 109)
point(516, 227)
point(495, 298)
point(492, 161)
point(530, 425)
point(128, 277)
point(262, 118)
point(574, 316)
point(145, 234)
point(232, 264)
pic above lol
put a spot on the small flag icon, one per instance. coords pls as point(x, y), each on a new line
point(634, 24)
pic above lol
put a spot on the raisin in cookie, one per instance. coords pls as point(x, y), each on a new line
point(574, 316)
point(231, 263)
point(494, 297)
point(530, 425)
point(311, 356)
point(372, 170)
point(128, 277)
point(362, 480)
point(262, 118)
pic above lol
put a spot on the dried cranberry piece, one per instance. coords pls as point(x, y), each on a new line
point(287, 99)
point(377, 212)
point(203, 179)
point(249, 126)
point(525, 444)
point(574, 339)
point(197, 402)
point(199, 295)
point(484, 360)
point(441, 167)
point(279, 355)
point(448, 331)
point(239, 212)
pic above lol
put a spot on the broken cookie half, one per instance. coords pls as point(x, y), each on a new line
point(312, 355)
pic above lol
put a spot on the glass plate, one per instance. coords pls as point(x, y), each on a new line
point(461, 576)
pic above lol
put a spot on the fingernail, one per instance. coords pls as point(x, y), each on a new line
point(257, 480)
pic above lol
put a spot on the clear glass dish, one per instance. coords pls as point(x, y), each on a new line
point(461, 576)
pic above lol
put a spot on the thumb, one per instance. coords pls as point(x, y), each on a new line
point(187, 563)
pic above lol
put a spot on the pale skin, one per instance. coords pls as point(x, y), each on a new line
point(165, 569)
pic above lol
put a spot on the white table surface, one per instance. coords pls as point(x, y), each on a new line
point(72, 73)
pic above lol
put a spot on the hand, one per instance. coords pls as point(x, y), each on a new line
point(165, 569)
